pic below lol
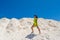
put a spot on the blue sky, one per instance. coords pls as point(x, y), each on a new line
point(27, 8)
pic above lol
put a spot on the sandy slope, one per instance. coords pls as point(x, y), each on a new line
point(19, 29)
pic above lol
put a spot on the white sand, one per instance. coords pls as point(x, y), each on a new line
point(19, 29)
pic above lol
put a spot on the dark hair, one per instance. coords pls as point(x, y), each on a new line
point(36, 16)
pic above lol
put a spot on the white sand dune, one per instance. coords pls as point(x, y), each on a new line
point(20, 29)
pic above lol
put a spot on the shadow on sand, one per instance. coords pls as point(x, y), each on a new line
point(30, 36)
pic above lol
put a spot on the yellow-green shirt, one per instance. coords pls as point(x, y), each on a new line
point(35, 22)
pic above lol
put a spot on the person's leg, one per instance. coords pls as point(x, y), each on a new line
point(32, 28)
point(38, 29)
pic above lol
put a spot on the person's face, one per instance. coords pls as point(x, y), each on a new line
point(34, 16)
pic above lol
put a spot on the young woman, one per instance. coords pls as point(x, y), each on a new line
point(35, 24)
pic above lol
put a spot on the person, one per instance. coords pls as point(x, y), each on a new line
point(35, 24)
